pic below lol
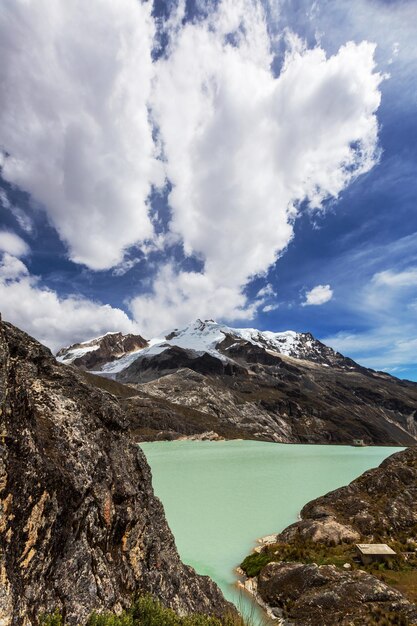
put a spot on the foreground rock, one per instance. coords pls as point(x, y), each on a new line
point(378, 507)
point(326, 595)
point(80, 526)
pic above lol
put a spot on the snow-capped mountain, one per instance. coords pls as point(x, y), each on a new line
point(243, 382)
point(200, 337)
point(108, 349)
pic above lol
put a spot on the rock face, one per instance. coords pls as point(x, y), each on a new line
point(325, 595)
point(378, 507)
point(327, 531)
point(92, 355)
point(80, 526)
point(380, 503)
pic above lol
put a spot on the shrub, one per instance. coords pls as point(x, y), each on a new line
point(253, 563)
point(146, 611)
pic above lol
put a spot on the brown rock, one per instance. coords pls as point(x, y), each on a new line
point(315, 595)
point(80, 526)
point(327, 531)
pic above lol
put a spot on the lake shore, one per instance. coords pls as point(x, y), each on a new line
point(219, 495)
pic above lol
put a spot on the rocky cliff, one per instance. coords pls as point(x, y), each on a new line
point(80, 526)
point(310, 570)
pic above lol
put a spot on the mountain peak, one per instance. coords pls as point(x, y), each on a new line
point(92, 354)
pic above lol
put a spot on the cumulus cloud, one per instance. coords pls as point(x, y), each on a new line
point(244, 148)
point(12, 243)
point(74, 119)
point(54, 321)
point(318, 295)
point(178, 298)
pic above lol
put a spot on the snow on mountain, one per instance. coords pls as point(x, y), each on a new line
point(114, 352)
point(207, 336)
point(70, 353)
point(112, 348)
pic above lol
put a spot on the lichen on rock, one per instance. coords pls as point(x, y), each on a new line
point(80, 526)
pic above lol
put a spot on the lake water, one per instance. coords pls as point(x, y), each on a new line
point(219, 497)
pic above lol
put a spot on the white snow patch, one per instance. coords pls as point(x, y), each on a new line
point(75, 353)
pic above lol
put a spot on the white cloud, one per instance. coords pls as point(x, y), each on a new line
point(76, 79)
point(270, 307)
point(178, 298)
point(12, 243)
point(406, 278)
point(22, 218)
point(244, 148)
point(266, 291)
point(54, 321)
point(318, 295)
point(11, 268)
point(386, 306)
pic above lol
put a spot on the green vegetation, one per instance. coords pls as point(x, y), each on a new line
point(53, 619)
point(305, 551)
point(146, 611)
point(300, 551)
point(253, 563)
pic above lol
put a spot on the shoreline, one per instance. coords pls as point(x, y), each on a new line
point(392, 599)
point(216, 438)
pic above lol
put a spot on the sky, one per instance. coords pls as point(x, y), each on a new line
point(249, 161)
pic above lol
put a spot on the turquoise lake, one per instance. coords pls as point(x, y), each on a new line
point(219, 497)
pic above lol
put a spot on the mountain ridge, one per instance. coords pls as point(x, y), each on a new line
point(286, 387)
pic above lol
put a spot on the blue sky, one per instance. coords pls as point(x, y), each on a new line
point(236, 160)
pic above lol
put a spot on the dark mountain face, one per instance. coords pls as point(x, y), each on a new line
point(92, 355)
point(279, 398)
point(80, 526)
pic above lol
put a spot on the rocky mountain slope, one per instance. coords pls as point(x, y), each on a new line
point(80, 526)
point(310, 571)
point(94, 354)
point(284, 387)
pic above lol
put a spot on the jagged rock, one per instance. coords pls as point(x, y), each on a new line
point(381, 502)
point(378, 507)
point(316, 595)
point(92, 355)
point(80, 526)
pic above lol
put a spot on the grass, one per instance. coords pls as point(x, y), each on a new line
point(146, 611)
point(405, 581)
point(400, 574)
point(299, 552)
